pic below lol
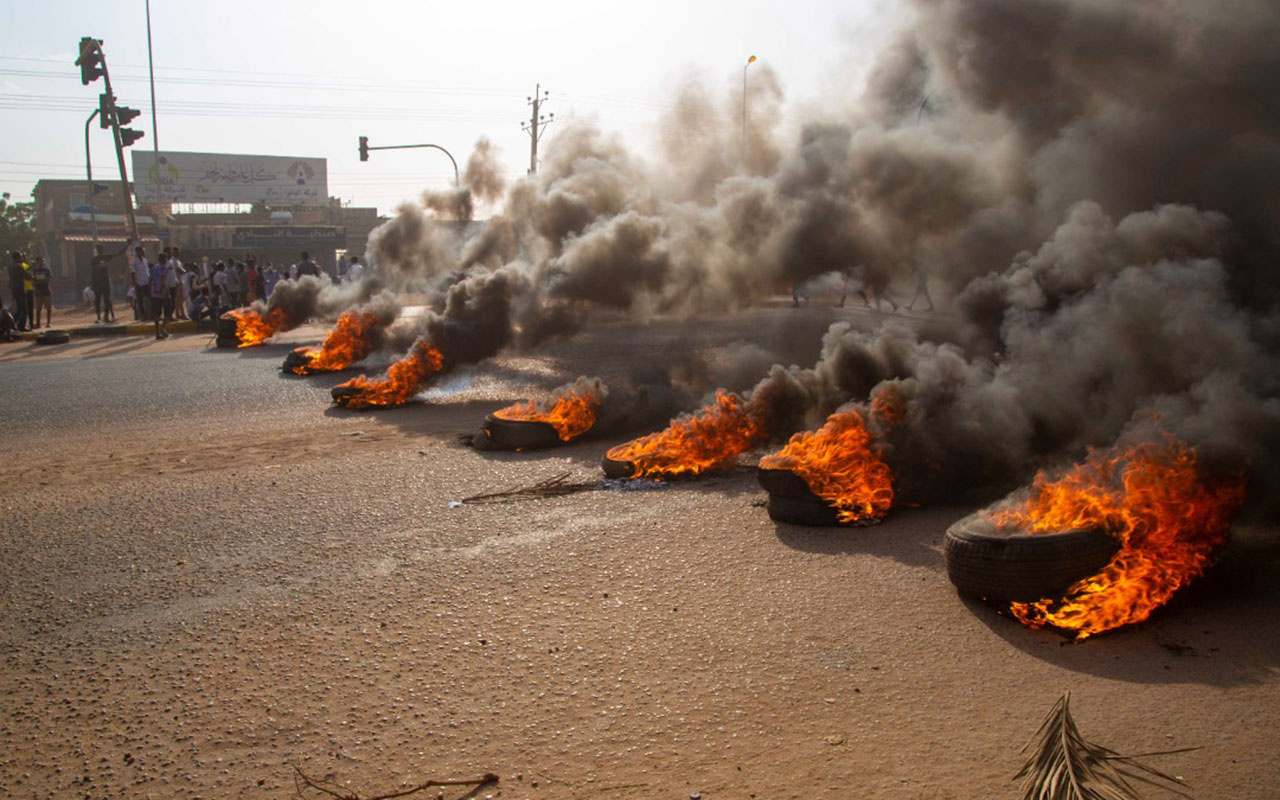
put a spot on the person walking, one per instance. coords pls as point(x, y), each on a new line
point(855, 282)
point(879, 283)
point(41, 280)
point(140, 273)
point(17, 280)
point(922, 287)
point(159, 294)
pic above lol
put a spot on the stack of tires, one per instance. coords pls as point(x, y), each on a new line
point(226, 333)
point(791, 500)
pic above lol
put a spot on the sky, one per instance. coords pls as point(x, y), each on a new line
point(307, 79)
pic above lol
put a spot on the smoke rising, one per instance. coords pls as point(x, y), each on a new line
point(1094, 184)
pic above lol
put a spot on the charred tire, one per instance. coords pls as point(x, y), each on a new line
point(53, 337)
point(617, 469)
point(795, 511)
point(292, 360)
point(226, 341)
point(226, 328)
point(785, 483)
point(508, 434)
point(985, 563)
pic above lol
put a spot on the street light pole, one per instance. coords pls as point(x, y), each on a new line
point(88, 172)
point(750, 61)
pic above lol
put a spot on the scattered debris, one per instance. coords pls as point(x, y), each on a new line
point(302, 782)
point(1066, 767)
point(555, 486)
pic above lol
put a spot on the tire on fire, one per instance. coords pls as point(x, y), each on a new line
point(1001, 567)
point(792, 501)
point(509, 434)
point(226, 333)
point(617, 469)
point(53, 337)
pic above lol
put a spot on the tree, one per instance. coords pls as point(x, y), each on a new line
point(17, 225)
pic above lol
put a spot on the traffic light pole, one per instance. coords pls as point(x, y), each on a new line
point(365, 148)
point(88, 172)
point(124, 176)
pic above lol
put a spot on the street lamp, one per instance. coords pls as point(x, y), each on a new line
point(750, 61)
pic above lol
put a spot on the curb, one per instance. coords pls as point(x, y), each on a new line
point(131, 329)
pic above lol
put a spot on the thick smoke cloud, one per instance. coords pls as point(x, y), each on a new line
point(311, 297)
point(1094, 184)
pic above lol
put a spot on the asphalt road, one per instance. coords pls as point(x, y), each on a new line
point(198, 599)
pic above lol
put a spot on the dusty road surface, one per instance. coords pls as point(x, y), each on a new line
point(209, 577)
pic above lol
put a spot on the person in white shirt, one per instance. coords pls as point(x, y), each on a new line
point(355, 270)
point(141, 273)
point(220, 286)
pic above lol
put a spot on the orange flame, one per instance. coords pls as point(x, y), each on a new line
point(841, 466)
point(1169, 518)
point(399, 385)
point(254, 328)
point(350, 341)
point(694, 443)
point(572, 414)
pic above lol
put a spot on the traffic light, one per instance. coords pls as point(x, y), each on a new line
point(364, 148)
point(106, 110)
point(90, 60)
point(126, 115)
point(128, 136)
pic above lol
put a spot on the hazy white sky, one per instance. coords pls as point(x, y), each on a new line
point(308, 78)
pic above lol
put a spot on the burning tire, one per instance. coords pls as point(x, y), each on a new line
point(53, 337)
point(617, 469)
point(791, 501)
point(226, 333)
point(506, 434)
point(984, 562)
point(294, 359)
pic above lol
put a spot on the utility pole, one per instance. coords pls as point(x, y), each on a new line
point(537, 125)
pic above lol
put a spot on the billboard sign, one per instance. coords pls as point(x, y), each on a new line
point(229, 178)
point(317, 236)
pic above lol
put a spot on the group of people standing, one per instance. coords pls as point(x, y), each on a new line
point(167, 288)
point(159, 290)
point(29, 288)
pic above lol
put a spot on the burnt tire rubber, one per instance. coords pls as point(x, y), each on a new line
point(509, 434)
point(793, 502)
point(53, 337)
point(293, 360)
point(785, 483)
point(999, 567)
point(617, 469)
point(796, 511)
point(226, 328)
point(226, 342)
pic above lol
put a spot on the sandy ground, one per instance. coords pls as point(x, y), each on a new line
point(196, 610)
